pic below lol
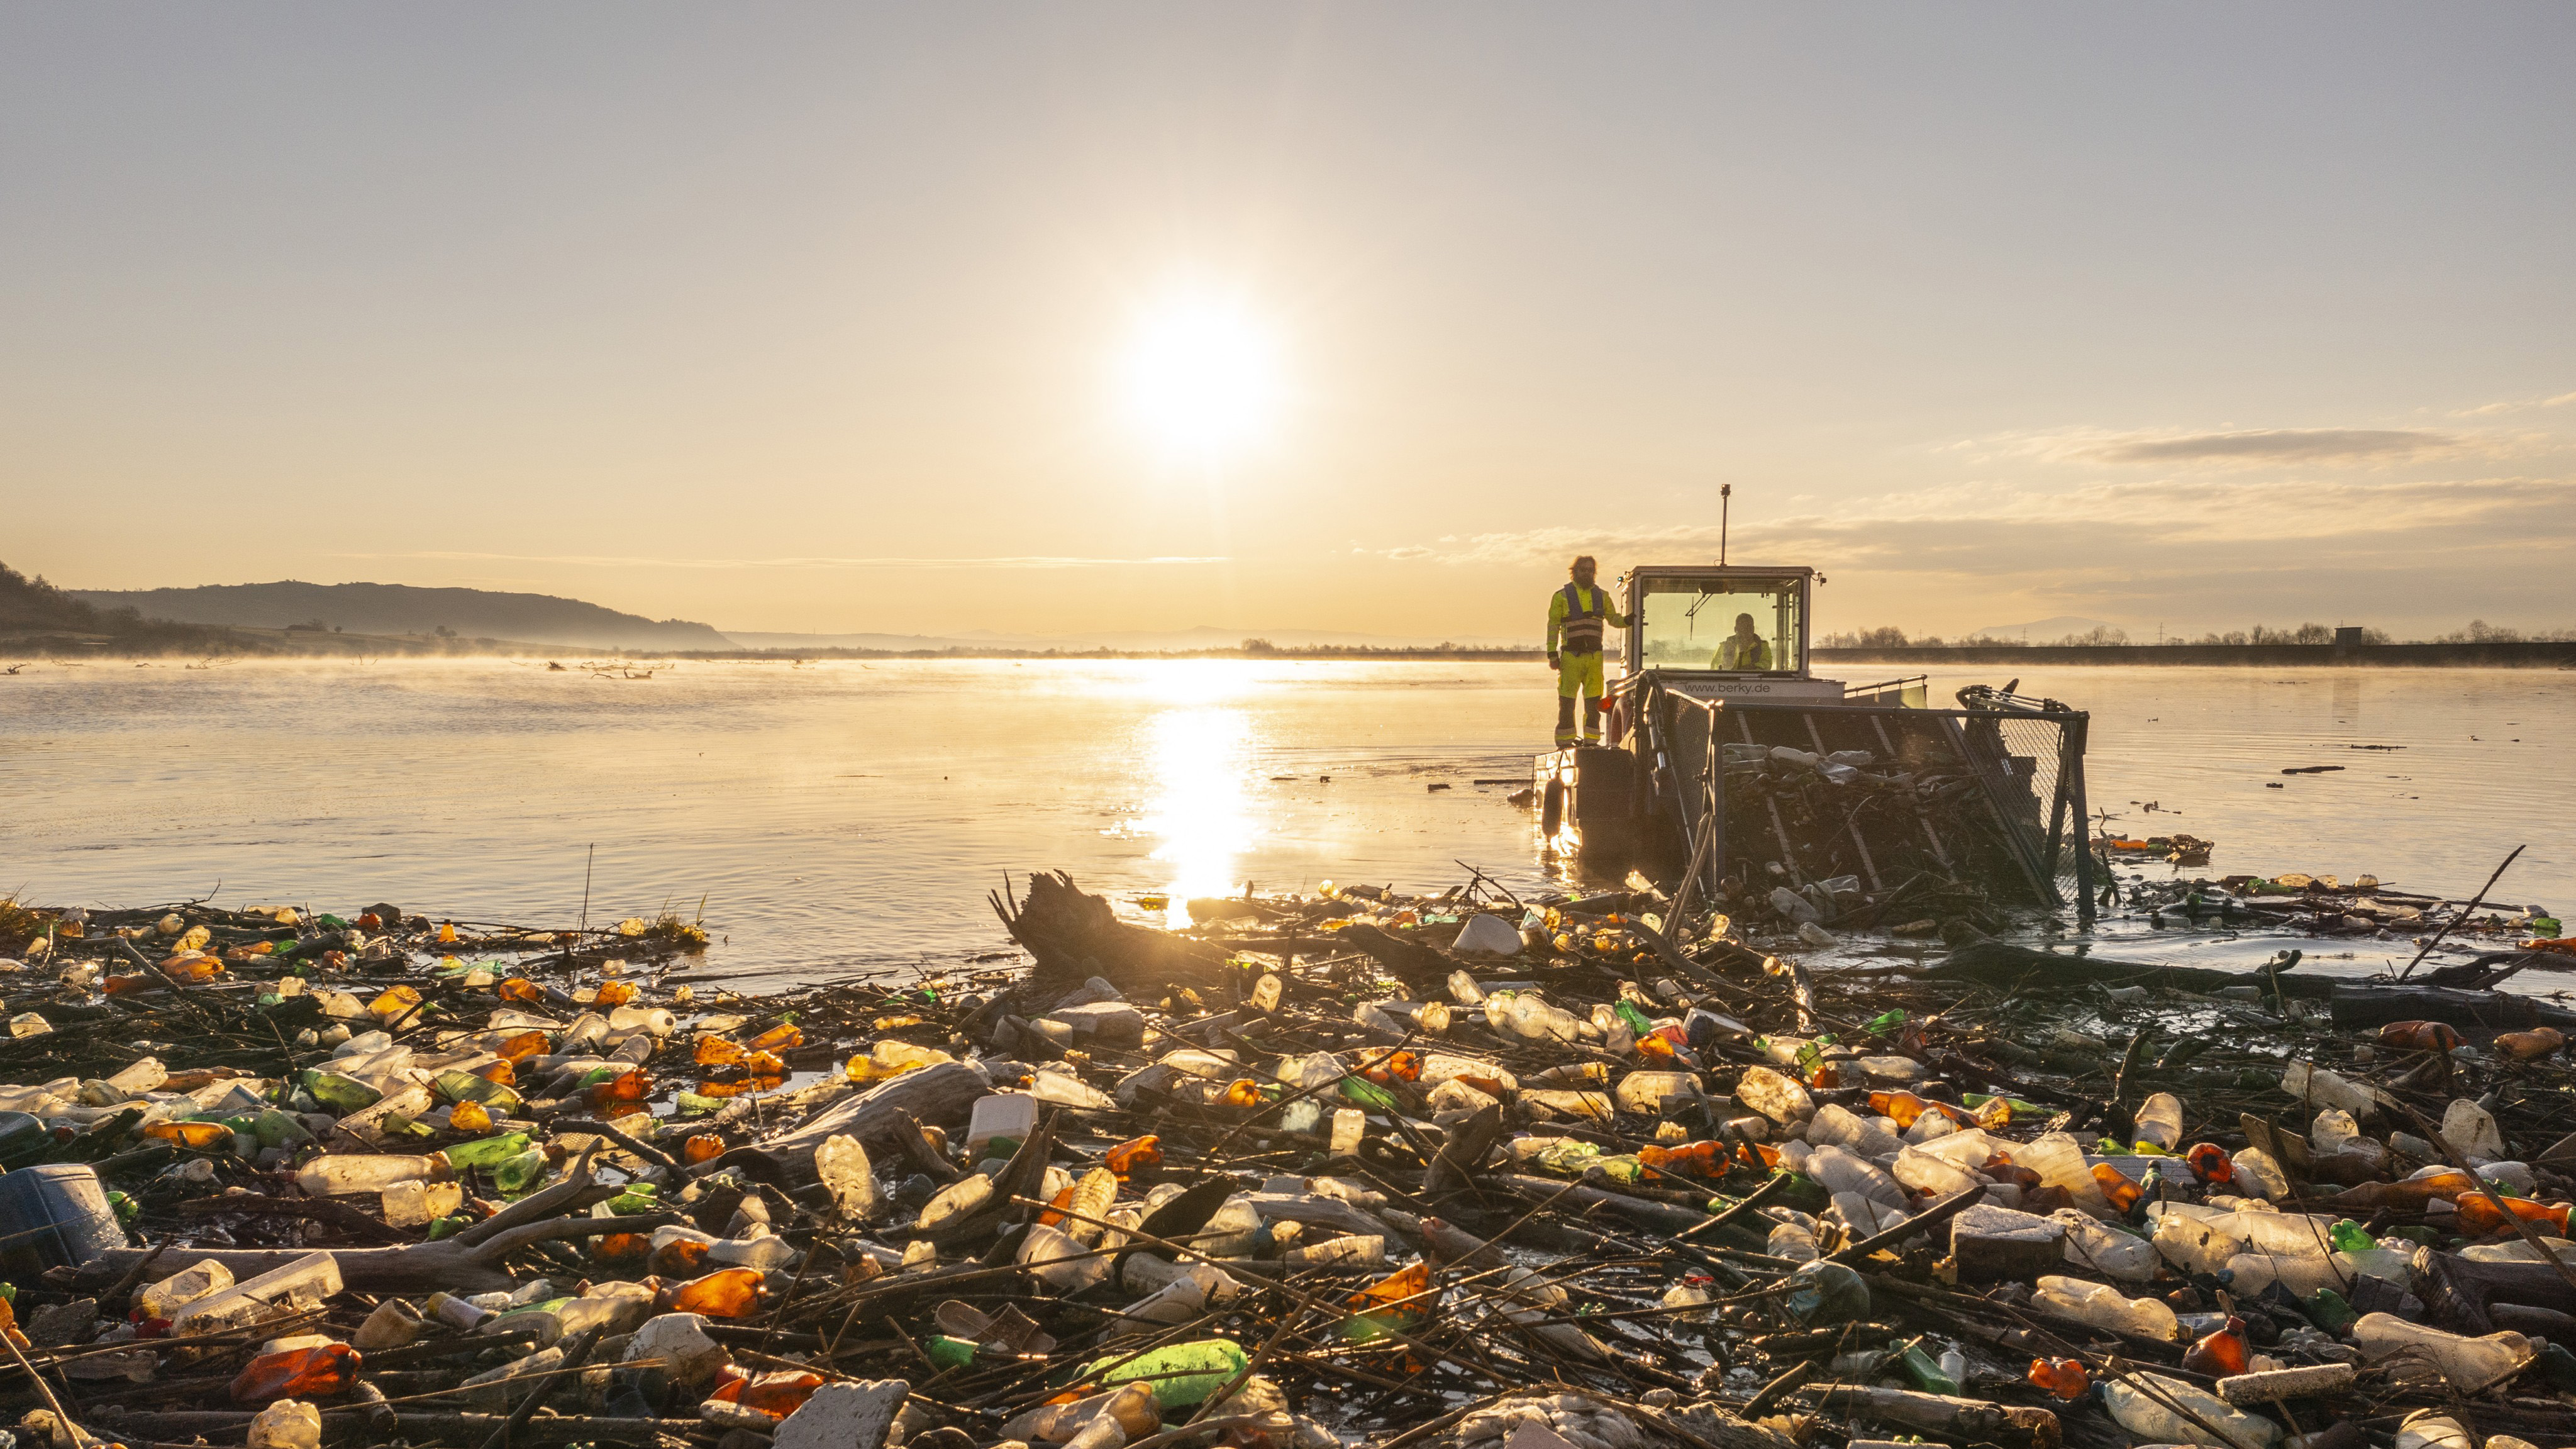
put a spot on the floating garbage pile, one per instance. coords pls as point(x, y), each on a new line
point(1360, 1167)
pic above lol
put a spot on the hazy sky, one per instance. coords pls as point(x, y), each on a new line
point(813, 317)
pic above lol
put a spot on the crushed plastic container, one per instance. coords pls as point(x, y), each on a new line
point(2417, 1352)
point(52, 1215)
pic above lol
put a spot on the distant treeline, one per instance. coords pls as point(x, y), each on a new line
point(2479, 631)
point(1248, 649)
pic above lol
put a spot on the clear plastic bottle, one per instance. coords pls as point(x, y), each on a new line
point(2147, 1416)
point(2059, 1160)
point(2159, 1121)
point(353, 1172)
point(287, 1424)
point(2416, 1351)
point(2104, 1306)
point(165, 1298)
point(957, 1201)
point(1774, 1096)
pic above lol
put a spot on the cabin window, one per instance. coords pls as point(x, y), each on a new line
point(1738, 625)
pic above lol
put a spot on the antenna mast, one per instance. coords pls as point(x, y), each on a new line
point(1725, 505)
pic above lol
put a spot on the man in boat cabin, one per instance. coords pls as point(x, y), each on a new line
point(1576, 615)
point(1743, 649)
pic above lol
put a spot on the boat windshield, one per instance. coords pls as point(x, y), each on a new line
point(1739, 625)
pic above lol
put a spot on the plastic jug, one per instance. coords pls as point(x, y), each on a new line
point(52, 1215)
point(165, 1298)
point(2414, 1351)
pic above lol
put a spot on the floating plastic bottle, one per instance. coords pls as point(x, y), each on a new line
point(728, 1293)
point(2148, 1417)
point(165, 1298)
point(2479, 1213)
point(2104, 1306)
point(485, 1152)
point(2219, 1353)
point(2419, 1036)
point(1774, 1096)
point(1135, 1155)
point(2117, 1190)
point(2063, 1378)
point(340, 1173)
point(317, 1372)
point(2159, 1122)
point(1400, 1303)
point(2415, 1350)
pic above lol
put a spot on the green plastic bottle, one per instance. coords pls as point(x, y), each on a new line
point(487, 1151)
point(1925, 1371)
point(467, 1087)
point(340, 1093)
point(518, 1174)
point(2348, 1237)
point(948, 1353)
point(1367, 1095)
point(2329, 1312)
point(1621, 1168)
point(447, 1226)
point(1885, 1022)
point(1638, 1022)
point(690, 1104)
point(1181, 1375)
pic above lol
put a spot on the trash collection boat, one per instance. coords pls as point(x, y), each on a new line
point(1729, 762)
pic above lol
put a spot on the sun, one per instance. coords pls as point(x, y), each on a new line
point(1200, 376)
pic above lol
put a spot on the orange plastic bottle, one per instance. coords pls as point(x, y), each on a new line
point(446, 933)
point(612, 1247)
point(520, 988)
point(192, 969)
point(2221, 1353)
point(624, 1087)
point(1243, 1092)
point(778, 1393)
point(614, 993)
point(1902, 1108)
point(725, 1293)
point(523, 1046)
point(678, 1257)
point(2063, 1377)
point(762, 1064)
point(716, 1051)
point(1136, 1154)
point(1698, 1159)
point(2116, 1186)
point(471, 1117)
point(199, 1135)
point(2478, 1213)
point(1654, 1045)
point(2210, 1163)
point(300, 1373)
point(785, 1037)
point(127, 985)
point(2523, 1046)
point(2419, 1036)
point(1398, 1303)
point(1827, 1077)
point(704, 1147)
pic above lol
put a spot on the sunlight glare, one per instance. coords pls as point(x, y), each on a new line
point(1201, 812)
point(1200, 376)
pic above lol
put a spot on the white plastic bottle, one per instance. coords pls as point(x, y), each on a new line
point(2148, 1417)
point(2159, 1121)
point(2415, 1351)
point(2104, 1306)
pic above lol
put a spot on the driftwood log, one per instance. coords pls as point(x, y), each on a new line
point(2359, 1004)
point(1999, 963)
point(1075, 935)
point(879, 1116)
point(469, 1262)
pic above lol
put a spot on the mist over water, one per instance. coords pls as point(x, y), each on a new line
point(852, 815)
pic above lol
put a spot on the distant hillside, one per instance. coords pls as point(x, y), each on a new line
point(34, 609)
point(403, 609)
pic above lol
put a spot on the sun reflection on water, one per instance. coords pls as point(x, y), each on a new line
point(1200, 759)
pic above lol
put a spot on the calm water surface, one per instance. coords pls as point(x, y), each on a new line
point(849, 815)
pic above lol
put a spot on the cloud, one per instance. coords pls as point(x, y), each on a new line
point(1025, 561)
point(2516, 405)
point(2277, 445)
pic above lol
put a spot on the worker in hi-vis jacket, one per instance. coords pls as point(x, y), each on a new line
point(1575, 616)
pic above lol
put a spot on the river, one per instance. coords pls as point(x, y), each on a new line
point(846, 816)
